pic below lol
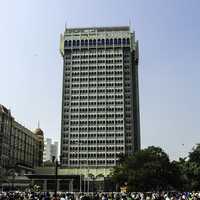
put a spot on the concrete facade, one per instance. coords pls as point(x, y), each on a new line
point(100, 102)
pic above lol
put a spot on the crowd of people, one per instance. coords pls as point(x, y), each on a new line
point(19, 195)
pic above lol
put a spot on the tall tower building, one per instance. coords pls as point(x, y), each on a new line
point(47, 150)
point(100, 102)
point(50, 150)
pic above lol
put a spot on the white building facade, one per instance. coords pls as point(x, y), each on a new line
point(50, 150)
point(100, 102)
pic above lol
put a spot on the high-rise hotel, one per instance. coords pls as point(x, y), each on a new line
point(100, 102)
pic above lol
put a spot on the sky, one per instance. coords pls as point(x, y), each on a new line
point(168, 32)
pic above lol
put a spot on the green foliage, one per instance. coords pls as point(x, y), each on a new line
point(194, 156)
point(150, 169)
point(192, 168)
point(147, 170)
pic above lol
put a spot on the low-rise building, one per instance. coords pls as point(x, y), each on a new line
point(20, 148)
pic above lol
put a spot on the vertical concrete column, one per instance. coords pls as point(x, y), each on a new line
point(84, 190)
point(45, 185)
point(71, 185)
point(88, 184)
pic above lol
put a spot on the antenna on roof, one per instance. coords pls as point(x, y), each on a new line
point(129, 23)
point(66, 25)
point(38, 124)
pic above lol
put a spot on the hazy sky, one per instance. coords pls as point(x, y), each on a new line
point(169, 36)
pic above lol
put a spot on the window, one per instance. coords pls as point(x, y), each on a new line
point(119, 41)
point(66, 43)
point(128, 41)
point(124, 41)
point(99, 42)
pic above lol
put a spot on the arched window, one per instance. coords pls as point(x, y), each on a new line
point(124, 41)
point(111, 41)
point(119, 41)
point(66, 43)
point(74, 42)
point(94, 42)
point(69, 43)
point(86, 42)
point(78, 42)
point(90, 42)
point(128, 41)
point(82, 42)
point(115, 41)
point(99, 42)
point(107, 41)
point(102, 41)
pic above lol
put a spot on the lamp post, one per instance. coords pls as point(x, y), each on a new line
point(54, 160)
point(1, 177)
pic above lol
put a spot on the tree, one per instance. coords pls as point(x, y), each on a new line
point(192, 168)
point(194, 156)
point(182, 166)
point(147, 170)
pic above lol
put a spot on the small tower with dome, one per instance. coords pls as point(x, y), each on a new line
point(40, 137)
